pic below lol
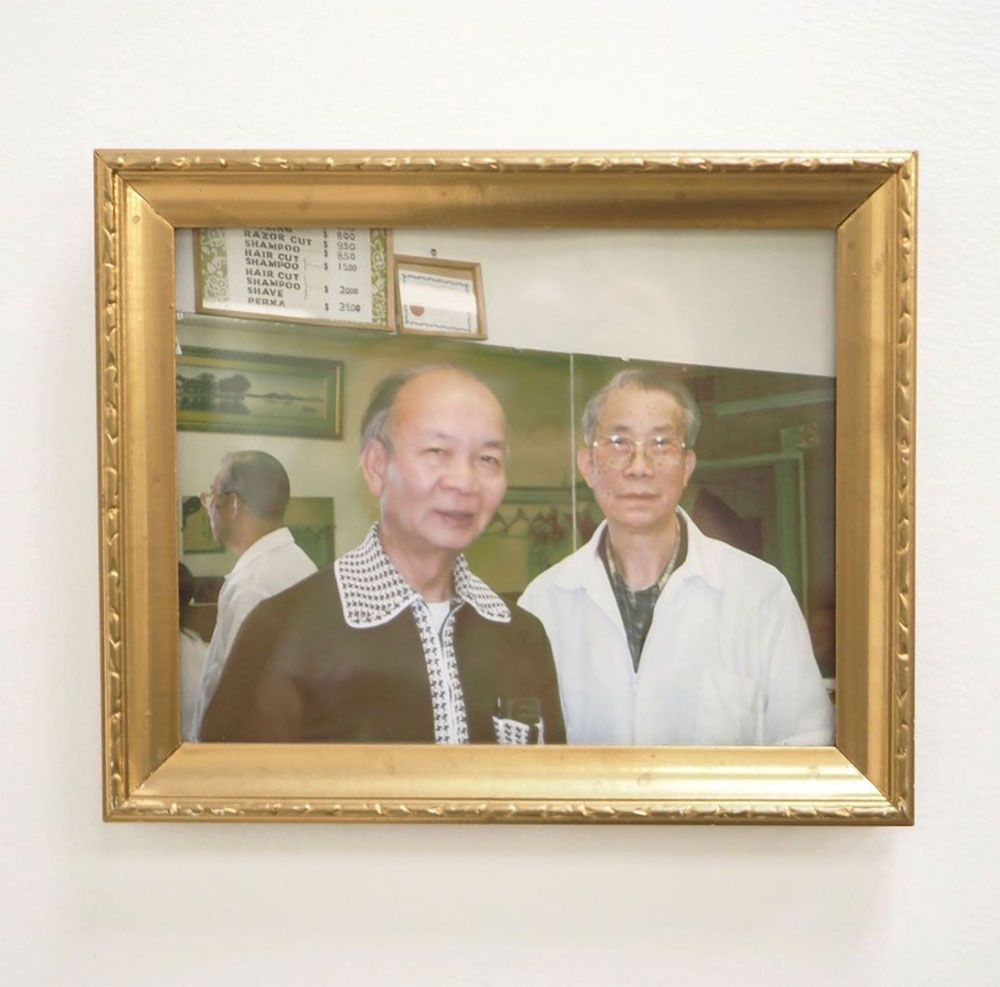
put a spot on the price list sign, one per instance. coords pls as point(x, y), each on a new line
point(329, 276)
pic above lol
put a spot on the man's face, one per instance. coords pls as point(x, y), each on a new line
point(445, 475)
point(218, 506)
point(640, 494)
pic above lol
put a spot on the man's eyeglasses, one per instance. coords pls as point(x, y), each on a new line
point(617, 451)
point(208, 496)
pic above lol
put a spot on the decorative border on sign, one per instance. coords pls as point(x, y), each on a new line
point(379, 276)
point(214, 265)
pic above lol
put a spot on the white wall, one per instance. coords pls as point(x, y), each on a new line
point(91, 903)
point(754, 299)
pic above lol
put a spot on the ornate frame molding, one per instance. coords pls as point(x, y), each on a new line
point(868, 199)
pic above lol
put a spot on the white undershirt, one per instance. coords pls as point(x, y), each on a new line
point(439, 613)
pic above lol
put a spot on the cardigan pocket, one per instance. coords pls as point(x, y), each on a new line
point(509, 731)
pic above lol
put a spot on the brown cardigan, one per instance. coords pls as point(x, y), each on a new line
point(298, 672)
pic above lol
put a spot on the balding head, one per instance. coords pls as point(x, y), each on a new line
point(376, 423)
point(259, 479)
point(434, 454)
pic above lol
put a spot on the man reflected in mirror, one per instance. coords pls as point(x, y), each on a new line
point(246, 508)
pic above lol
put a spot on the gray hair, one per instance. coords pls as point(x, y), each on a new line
point(376, 423)
point(259, 479)
point(650, 379)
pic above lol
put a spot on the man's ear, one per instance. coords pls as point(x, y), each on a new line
point(585, 464)
point(374, 460)
point(690, 461)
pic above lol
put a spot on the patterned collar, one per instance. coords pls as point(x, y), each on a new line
point(372, 591)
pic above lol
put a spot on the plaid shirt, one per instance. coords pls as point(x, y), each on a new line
point(636, 608)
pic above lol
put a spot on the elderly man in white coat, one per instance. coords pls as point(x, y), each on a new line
point(662, 635)
point(246, 508)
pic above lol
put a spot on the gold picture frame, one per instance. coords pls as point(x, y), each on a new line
point(869, 200)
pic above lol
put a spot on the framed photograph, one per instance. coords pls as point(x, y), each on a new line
point(804, 452)
point(332, 277)
point(440, 297)
point(221, 391)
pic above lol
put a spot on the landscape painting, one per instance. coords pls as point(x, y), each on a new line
point(220, 391)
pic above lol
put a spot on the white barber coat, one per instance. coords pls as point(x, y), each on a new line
point(728, 658)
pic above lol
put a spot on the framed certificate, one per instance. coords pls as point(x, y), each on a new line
point(440, 297)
